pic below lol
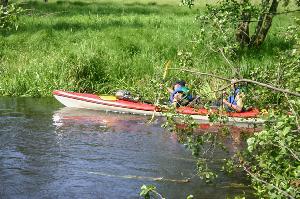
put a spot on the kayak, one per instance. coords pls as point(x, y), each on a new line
point(248, 118)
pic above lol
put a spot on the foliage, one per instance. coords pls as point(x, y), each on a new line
point(218, 24)
point(149, 191)
point(273, 157)
point(189, 3)
point(204, 172)
point(284, 73)
point(218, 32)
point(229, 22)
point(9, 17)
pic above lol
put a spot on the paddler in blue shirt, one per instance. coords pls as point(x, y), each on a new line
point(235, 101)
point(180, 94)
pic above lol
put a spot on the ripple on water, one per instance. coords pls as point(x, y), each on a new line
point(54, 152)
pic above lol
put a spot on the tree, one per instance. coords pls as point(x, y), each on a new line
point(241, 15)
point(268, 11)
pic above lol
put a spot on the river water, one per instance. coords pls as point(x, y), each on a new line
point(50, 151)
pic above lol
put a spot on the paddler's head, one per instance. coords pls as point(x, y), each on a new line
point(179, 83)
point(233, 83)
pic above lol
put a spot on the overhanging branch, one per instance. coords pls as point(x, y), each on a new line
point(264, 85)
point(200, 73)
point(238, 81)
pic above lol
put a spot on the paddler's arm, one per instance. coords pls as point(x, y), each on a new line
point(234, 107)
point(170, 90)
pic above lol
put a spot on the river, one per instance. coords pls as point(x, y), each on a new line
point(50, 151)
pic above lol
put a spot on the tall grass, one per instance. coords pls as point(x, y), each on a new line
point(96, 46)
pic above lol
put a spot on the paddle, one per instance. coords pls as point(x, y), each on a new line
point(166, 70)
point(167, 64)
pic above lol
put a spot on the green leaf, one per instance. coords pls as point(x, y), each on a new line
point(190, 197)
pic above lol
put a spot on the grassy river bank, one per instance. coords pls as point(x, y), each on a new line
point(97, 46)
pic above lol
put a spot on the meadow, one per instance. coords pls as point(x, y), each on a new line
point(101, 46)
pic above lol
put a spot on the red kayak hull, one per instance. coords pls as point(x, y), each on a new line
point(96, 99)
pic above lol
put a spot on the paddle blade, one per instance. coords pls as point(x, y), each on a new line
point(166, 69)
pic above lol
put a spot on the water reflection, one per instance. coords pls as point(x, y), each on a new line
point(66, 117)
point(52, 152)
point(121, 148)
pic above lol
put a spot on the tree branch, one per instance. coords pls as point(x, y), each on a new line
point(237, 81)
point(232, 67)
point(290, 150)
point(265, 182)
point(294, 112)
point(158, 194)
point(200, 73)
point(221, 50)
point(262, 84)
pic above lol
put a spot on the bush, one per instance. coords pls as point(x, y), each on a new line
point(9, 17)
point(274, 161)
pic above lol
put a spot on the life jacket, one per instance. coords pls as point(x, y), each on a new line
point(232, 98)
point(184, 90)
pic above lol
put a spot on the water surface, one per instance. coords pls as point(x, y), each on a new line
point(49, 151)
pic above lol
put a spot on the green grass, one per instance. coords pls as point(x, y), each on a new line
point(96, 46)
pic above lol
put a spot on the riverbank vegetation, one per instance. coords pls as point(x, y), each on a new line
point(99, 47)
point(102, 46)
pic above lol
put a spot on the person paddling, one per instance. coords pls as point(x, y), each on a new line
point(235, 101)
point(179, 94)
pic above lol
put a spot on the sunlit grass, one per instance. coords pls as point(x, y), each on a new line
point(97, 46)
